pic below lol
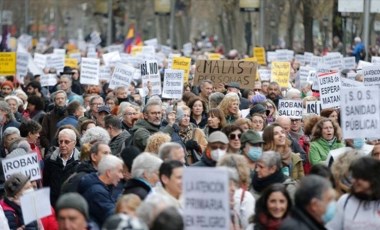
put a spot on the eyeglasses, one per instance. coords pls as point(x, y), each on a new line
point(234, 136)
point(97, 104)
point(130, 114)
point(65, 141)
point(295, 120)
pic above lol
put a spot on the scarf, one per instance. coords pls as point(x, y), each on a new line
point(186, 133)
point(211, 130)
point(269, 223)
point(259, 184)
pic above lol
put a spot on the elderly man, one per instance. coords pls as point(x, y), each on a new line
point(95, 102)
point(72, 212)
point(144, 175)
point(206, 88)
point(97, 188)
point(216, 149)
point(49, 122)
point(172, 151)
point(130, 116)
point(146, 127)
point(61, 164)
point(65, 83)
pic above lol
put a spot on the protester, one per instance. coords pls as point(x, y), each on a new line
point(128, 204)
point(35, 109)
point(216, 121)
point(74, 112)
point(230, 107)
point(198, 115)
point(155, 141)
point(258, 122)
point(244, 124)
point(233, 132)
point(172, 151)
point(14, 103)
point(216, 149)
point(118, 136)
point(251, 146)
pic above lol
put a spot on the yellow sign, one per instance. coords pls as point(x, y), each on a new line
point(259, 53)
point(254, 59)
point(182, 63)
point(162, 6)
point(280, 73)
point(136, 50)
point(72, 62)
point(214, 56)
point(7, 63)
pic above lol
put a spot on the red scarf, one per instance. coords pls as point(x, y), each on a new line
point(269, 223)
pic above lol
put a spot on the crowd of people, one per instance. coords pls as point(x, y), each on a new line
point(114, 159)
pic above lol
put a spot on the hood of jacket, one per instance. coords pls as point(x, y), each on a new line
point(86, 167)
point(142, 123)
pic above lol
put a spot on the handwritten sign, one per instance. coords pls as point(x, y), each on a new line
point(329, 87)
point(349, 63)
point(27, 164)
point(173, 84)
point(281, 73)
point(89, 71)
point(264, 74)
point(290, 108)
point(122, 76)
point(104, 73)
point(7, 63)
point(259, 53)
point(182, 63)
point(222, 71)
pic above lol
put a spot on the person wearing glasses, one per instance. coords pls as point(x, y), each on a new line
point(130, 115)
point(95, 102)
point(61, 164)
point(233, 132)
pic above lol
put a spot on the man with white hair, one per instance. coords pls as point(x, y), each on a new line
point(172, 151)
point(65, 83)
point(359, 50)
point(97, 188)
point(61, 164)
point(144, 175)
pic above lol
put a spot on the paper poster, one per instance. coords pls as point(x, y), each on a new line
point(48, 79)
point(7, 63)
point(259, 53)
point(104, 73)
point(281, 73)
point(22, 64)
point(173, 84)
point(150, 73)
point(71, 62)
point(349, 63)
point(290, 108)
point(182, 63)
point(265, 74)
point(187, 49)
point(329, 88)
point(35, 205)
point(89, 71)
point(27, 164)
point(371, 75)
point(314, 107)
point(333, 61)
point(122, 76)
point(111, 58)
point(214, 56)
point(222, 71)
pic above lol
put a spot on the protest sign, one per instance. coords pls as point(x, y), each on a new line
point(59, 51)
point(76, 56)
point(166, 50)
point(308, 57)
point(170, 59)
point(371, 75)
point(92, 54)
point(300, 58)
point(25, 40)
point(71, 62)
point(56, 61)
point(335, 153)
point(329, 88)
point(48, 79)
point(360, 112)
point(304, 73)
point(281, 73)
point(22, 64)
point(7, 63)
point(362, 64)
point(350, 83)
point(284, 55)
point(271, 56)
point(375, 60)
point(27, 164)
point(151, 50)
point(89, 71)
point(122, 76)
point(136, 50)
point(151, 42)
point(290, 108)
point(187, 49)
point(223, 71)
point(115, 48)
point(206, 199)
point(35, 205)
point(253, 59)
point(264, 74)
point(104, 73)
point(173, 84)
point(259, 53)
point(333, 61)
point(349, 63)
point(313, 107)
point(33, 68)
point(315, 60)
point(95, 38)
point(150, 73)
point(182, 63)
point(214, 56)
point(351, 76)
point(40, 60)
point(111, 58)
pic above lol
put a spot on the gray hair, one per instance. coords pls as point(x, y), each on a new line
point(20, 143)
point(15, 98)
point(152, 206)
point(145, 162)
point(95, 134)
point(53, 95)
point(6, 109)
point(165, 149)
point(154, 99)
point(233, 175)
point(108, 162)
point(215, 98)
point(68, 132)
point(311, 186)
point(150, 104)
point(270, 159)
point(11, 130)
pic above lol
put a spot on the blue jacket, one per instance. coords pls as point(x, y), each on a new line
point(359, 47)
point(69, 120)
point(99, 197)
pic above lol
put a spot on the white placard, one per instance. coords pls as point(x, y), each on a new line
point(104, 73)
point(199, 191)
point(48, 79)
point(304, 73)
point(122, 76)
point(371, 75)
point(362, 64)
point(300, 58)
point(329, 88)
point(308, 57)
point(335, 153)
point(166, 50)
point(110, 59)
point(187, 49)
point(95, 38)
point(89, 71)
point(150, 73)
point(290, 108)
point(40, 60)
point(35, 205)
point(375, 60)
point(115, 48)
point(351, 76)
point(313, 107)
point(360, 112)
point(148, 50)
point(349, 63)
point(350, 83)
point(271, 56)
point(151, 42)
point(284, 55)
point(22, 64)
point(25, 40)
point(56, 61)
point(315, 61)
point(77, 56)
point(333, 61)
point(92, 55)
point(173, 84)
point(27, 164)
point(265, 74)
point(59, 51)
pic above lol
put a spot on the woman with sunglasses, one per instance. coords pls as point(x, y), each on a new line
point(233, 133)
point(275, 139)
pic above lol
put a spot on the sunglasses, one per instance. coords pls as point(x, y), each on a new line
point(234, 136)
point(65, 141)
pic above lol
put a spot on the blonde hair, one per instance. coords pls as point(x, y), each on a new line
point(132, 202)
point(239, 163)
point(155, 141)
point(244, 121)
point(227, 101)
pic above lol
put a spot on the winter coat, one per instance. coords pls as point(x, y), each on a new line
point(297, 167)
point(55, 173)
point(204, 162)
point(69, 120)
point(13, 214)
point(139, 187)
point(203, 122)
point(101, 203)
point(142, 130)
point(319, 150)
point(117, 142)
point(299, 219)
point(49, 127)
point(71, 184)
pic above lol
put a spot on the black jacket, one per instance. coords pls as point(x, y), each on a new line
point(137, 187)
point(204, 162)
point(299, 219)
point(71, 184)
point(244, 103)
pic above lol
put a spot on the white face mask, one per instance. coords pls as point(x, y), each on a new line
point(217, 154)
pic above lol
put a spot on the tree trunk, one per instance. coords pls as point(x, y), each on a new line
point(308, 25)
point(293, 6)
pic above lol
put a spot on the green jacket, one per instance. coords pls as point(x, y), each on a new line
point(320, 148)
point(141, 131)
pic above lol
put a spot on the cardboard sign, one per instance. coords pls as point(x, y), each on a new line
point(27, 164)
point(173, 84)
point(349, 63)
point(290, 108)
point(259, 53)
point(329, 88)
point(89, 71)
point(150, 73)
point(104, 73)
point(223, 71)
point(110, 59)
point(206, 199)
point(281, 73)
point(22, 64)
point(35, 205)
point(264, 74)
point(182, 63)
point(7, 63)
point(71, 62)
point(214, 56)
point(360, 112)
point(371, 75)
point(122, 76)
point(314, 107)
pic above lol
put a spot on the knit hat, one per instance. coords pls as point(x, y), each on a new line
point(72, 201)
point(251, 137)
point(14, 184)
point(7, 83)
point(123, 222)
point(258, 98)
point(259, 108)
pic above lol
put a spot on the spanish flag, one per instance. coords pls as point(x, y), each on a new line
point(128, 42)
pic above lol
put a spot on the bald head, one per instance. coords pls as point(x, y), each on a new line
point(284, 122)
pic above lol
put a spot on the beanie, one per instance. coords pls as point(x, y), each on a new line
point(258, 98)
point(14, 184)
point(7, 83)
point(72, 201)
